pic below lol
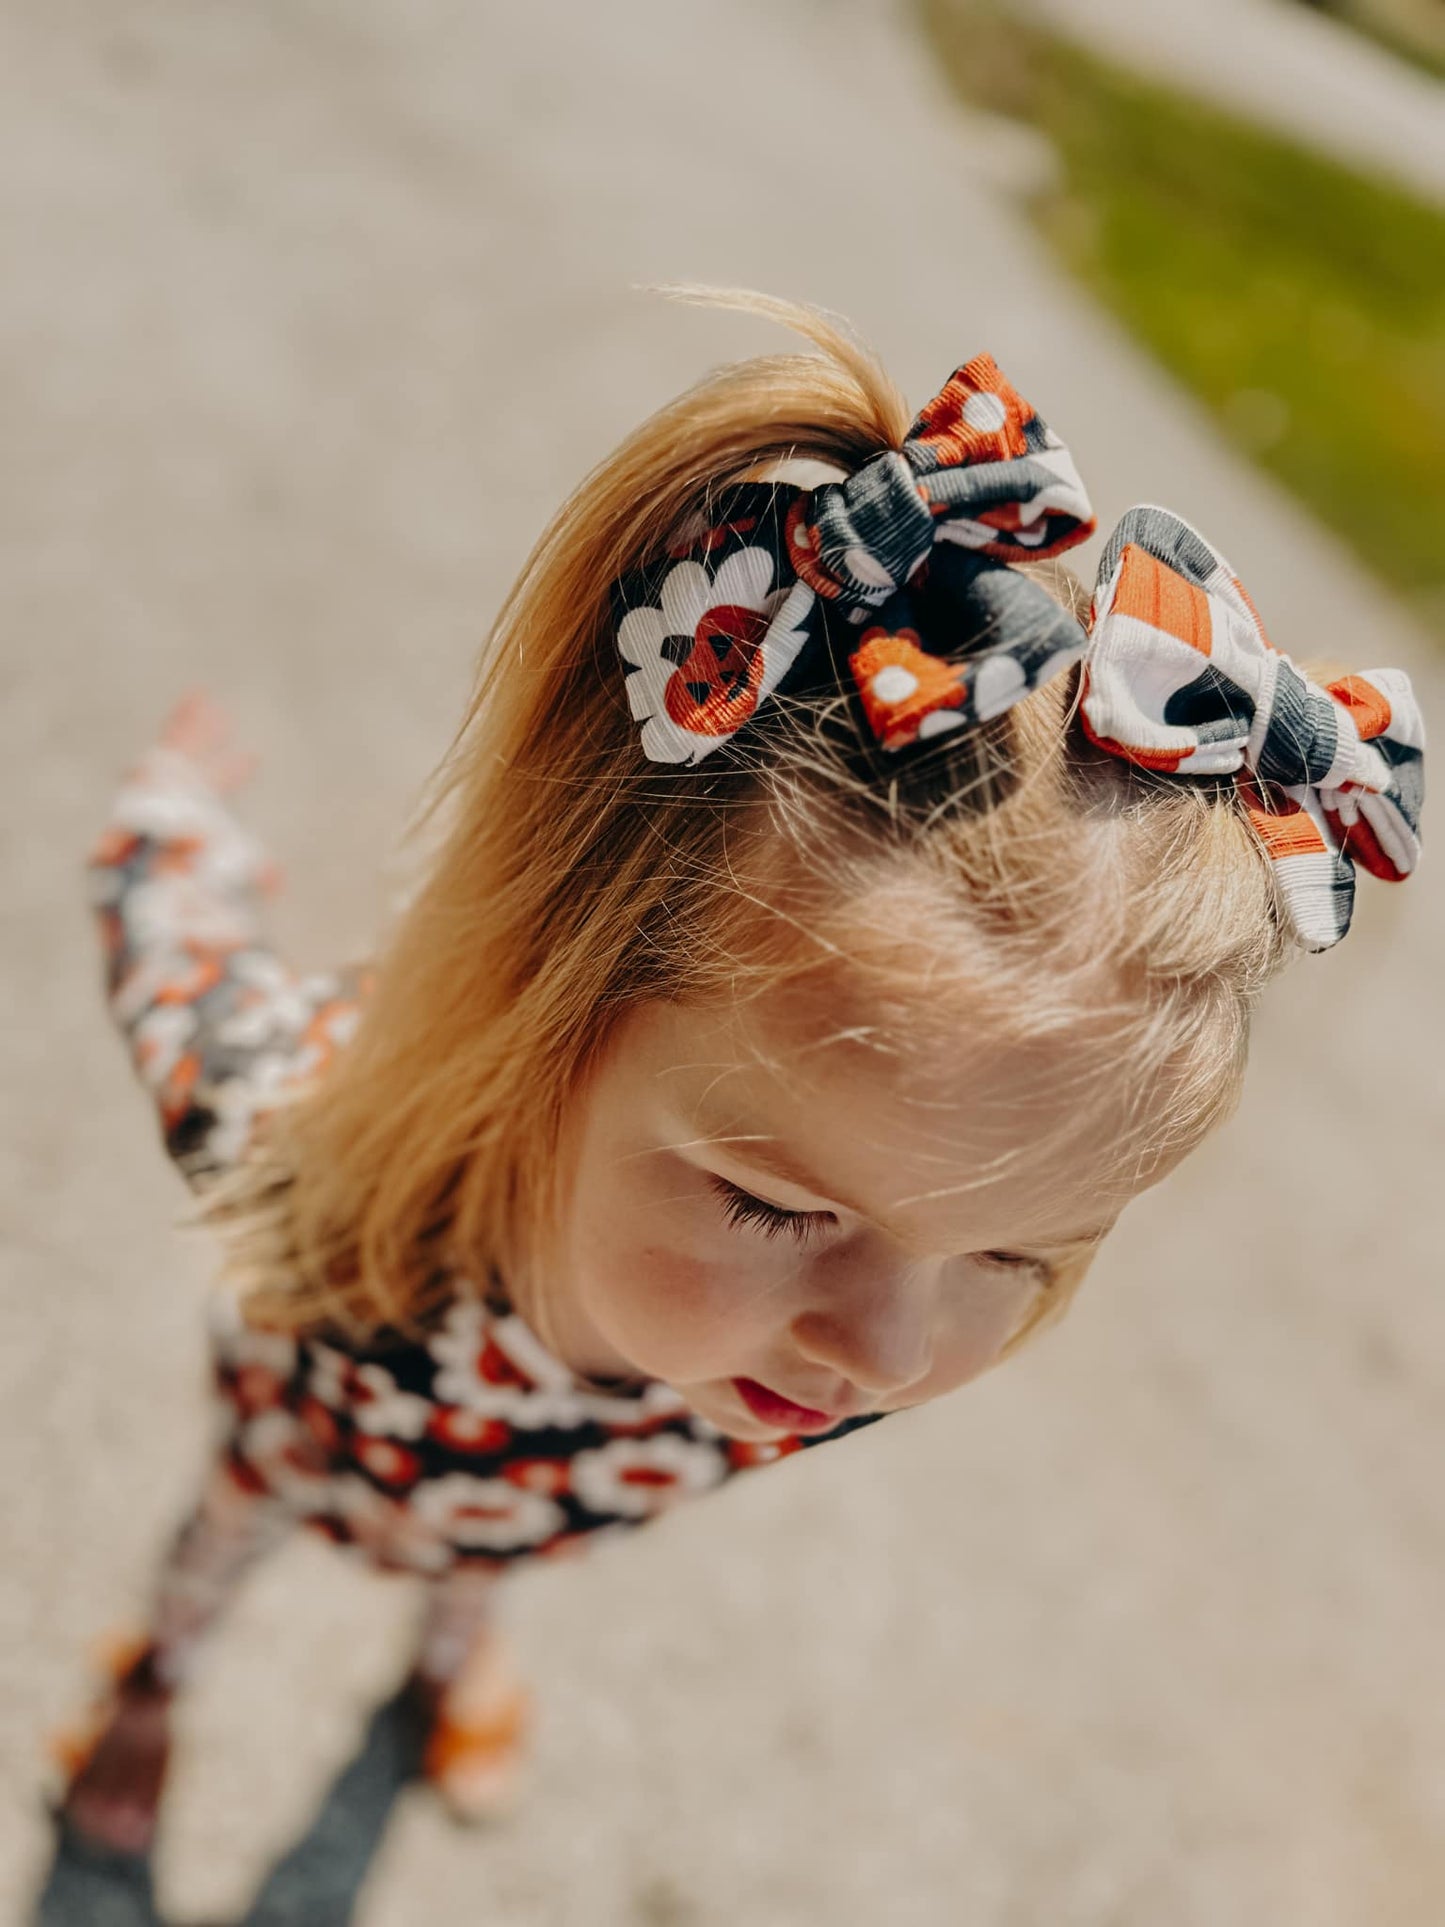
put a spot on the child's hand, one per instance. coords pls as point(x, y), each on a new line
point(200, 730)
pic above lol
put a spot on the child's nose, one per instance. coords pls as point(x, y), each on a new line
point(878, 1335)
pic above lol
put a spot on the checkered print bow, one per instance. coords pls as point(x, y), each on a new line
point(1180, 676)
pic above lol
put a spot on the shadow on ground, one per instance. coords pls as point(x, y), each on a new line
point(316, 1884)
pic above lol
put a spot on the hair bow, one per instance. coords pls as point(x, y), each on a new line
point(919, 539)
point(707, 636)
point(1181, 677)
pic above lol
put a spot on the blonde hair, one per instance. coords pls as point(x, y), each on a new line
point(574, 881)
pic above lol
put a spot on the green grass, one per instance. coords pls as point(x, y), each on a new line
point(1414, 33)
point(1304, 303)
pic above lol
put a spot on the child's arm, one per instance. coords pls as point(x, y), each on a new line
point(218, 1027)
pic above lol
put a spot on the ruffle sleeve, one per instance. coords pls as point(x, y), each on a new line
point(219, 1028)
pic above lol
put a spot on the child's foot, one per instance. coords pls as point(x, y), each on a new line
point(116, 1769)
point(88, 1886)
point(477, 1749)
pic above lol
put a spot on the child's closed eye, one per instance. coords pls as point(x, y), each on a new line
point(1018, 1261)
point(742, 1208)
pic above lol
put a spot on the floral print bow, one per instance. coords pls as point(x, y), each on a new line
point(707, 637)
point(1179, 675)
point(1181, 678)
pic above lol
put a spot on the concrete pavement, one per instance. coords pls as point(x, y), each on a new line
point(312, 314)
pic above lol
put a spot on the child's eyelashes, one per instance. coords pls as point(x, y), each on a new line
point(742, 1208)
point(1018, 1261)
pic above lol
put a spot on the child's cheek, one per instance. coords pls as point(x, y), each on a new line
point(975, 1338)
point(672, 1287)
point(678, 1315)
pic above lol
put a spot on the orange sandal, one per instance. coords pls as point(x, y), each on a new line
point(99, 1803)
point(475, 1762)
point(115, 1657)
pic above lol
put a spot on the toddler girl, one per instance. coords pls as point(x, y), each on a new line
point(837, 922)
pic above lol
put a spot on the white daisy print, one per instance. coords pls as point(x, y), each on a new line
point(381, 1408)
point(635, 1477)
point(486, 1515)
point(700, 661)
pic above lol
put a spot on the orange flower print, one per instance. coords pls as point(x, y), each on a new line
point(906, 692)
point(320, 1422)
point(387, 1462)
point(975, 417)
point(548, 1476)
point(469, 1432)
point(743, 1454)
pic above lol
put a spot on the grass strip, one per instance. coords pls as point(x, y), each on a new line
point(1415, 32)
point(1302, 301)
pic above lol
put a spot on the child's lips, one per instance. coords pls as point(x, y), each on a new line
point(773, 1409)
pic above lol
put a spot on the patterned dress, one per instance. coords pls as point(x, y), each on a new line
point(473, 1445)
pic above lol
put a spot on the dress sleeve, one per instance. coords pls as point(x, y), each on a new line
point(218, 1027)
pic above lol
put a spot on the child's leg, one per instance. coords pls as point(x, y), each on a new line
point(466, 1677)
point(115, 1792)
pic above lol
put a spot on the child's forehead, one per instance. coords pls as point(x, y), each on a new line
point(854, 1116)
point(938, 1186)
point(923, 1046)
